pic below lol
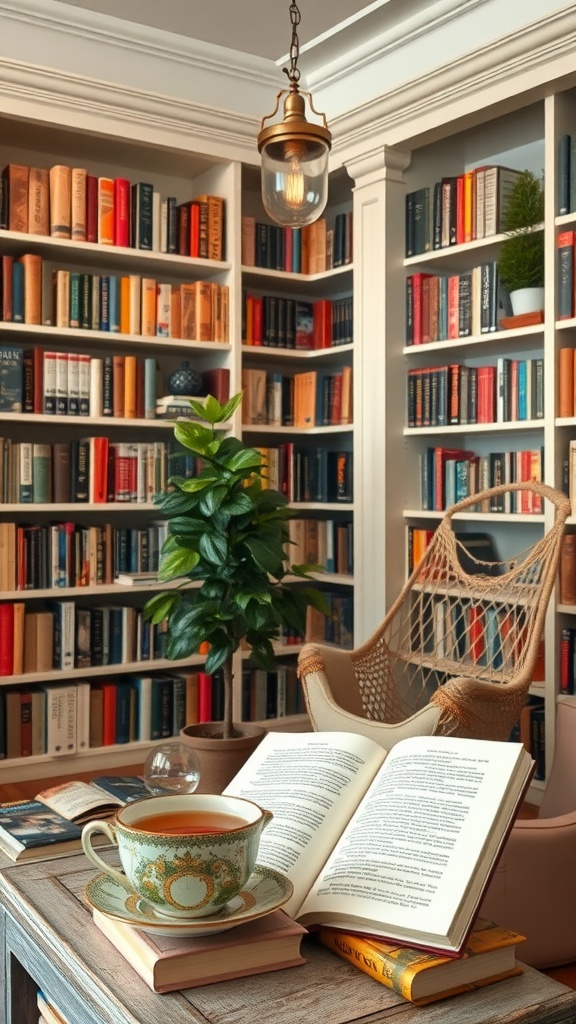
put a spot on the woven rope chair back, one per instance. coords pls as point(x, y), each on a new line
point(472, 624)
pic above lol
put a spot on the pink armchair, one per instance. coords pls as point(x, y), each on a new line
point(534, 886)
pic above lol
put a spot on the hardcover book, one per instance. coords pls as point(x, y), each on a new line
point(270, 943)
point(488, 956)
point(399, 844)
point(11, 378)
point(50, 825)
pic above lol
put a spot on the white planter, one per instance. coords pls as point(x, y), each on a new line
point(527, 300)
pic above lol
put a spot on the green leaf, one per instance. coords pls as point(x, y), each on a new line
point(177, 563)
point(158, 608)
point(248, 458)
point(214, 548)
point(193, 435)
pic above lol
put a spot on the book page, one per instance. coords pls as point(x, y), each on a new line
point(424, 837)
point(312, 783)
point(74, 800)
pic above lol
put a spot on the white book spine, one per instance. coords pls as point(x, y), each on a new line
point(84, 362)
point(73, 384)
point(96, 370)
point(164, 297)
point(135, 304)
point(62, 383)
point(60, 720)
point(49, 402)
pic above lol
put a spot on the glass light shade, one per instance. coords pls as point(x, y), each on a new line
point(294, 155)
point(295, 180)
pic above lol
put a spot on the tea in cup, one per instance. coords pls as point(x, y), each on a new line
point(186, 855)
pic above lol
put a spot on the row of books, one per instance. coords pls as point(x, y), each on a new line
point(92, 469)
point(126, 709)
point(64, 636)
point(36, 292)
point(506, 391)
point(271, 694)
point(337, 626)
point(325, 542)
point(448, 475)
point(280, 322)
point(468, 631)
point(308, 474)
point(67, 554)
point(307, 399)
point(442, 307)
point(312, 249)
point(458, 208)
point(70, 203)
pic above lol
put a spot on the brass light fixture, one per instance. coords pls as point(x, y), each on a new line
point(294, 152)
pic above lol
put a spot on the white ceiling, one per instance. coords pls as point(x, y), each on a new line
point(261, 27)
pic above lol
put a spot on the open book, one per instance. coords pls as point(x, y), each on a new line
point(50, 824)
point(398, 844)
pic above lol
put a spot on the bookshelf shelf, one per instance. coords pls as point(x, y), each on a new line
point(117, 256)
point(514, 426)
point(98, 671)
point(533, 331)
point(98, 339)
point(485, 517)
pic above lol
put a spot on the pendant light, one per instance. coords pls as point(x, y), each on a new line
point(294, 152)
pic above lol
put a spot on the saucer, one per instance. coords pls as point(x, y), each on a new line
point(266, 890)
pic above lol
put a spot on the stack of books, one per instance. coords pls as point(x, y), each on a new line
point(173, 406)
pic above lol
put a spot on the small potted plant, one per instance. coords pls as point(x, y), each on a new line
point(521, 259)
point(228, 534)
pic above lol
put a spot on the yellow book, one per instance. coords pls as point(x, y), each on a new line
point(422, 977)
point(130, 371)
point(60, 201)
point(148, 324)
point(175, 312)
point(106, 211)
point(78, 176)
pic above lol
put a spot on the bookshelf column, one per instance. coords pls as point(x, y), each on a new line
point(378, 402)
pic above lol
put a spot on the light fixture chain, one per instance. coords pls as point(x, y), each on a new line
point(294, 72)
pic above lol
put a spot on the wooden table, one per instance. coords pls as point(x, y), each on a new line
point(51, 942)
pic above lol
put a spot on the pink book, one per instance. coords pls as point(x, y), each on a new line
point(269, 943)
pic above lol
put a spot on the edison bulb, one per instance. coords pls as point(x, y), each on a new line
point(171, 768)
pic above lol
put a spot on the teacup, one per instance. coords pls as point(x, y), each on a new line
point(186, 855)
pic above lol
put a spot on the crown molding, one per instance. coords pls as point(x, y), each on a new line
point(69, 99)
point(75, 27)
point(373, 45)
point(535, 55)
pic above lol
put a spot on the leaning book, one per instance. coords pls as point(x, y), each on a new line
point(398, 844)
point(50, 825)
point(488, 956)
point(270, 943)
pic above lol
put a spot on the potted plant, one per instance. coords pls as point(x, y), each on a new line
point(521, 259)
point(228, 534)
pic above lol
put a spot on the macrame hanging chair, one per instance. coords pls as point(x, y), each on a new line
point(456, 652)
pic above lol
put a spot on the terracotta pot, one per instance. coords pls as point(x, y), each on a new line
point(220, 759)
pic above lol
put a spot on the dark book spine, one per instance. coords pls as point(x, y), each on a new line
point(564, 173)
point(171, 225)
point(565, 248)
point(108, 386)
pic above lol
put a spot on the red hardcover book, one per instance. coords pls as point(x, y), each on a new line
point(476, 632)
point(417, 283)
point(566, 659)
point(110, 692)
point(6, 639)
point(322, 323)
point(288, 249)
point(7, 264)
point(122, 199)
point(486, 384)
point(204, 697)
point(453, 306)
point(257, 320)
point(194, 228)
point(216, 382)
point(98, 469)
point(183, 229)
point(91, 208)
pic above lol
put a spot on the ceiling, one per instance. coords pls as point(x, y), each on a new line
point(260, 27)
